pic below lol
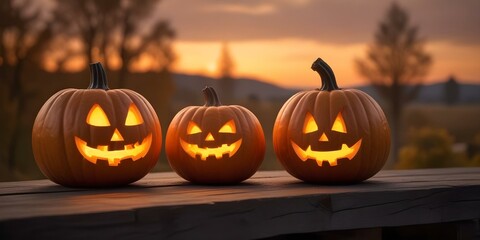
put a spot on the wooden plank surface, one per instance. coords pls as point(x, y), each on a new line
point(162, 206)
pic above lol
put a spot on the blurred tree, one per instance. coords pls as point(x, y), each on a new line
point(427, 148)
point(24, 34)
point(225, 71)
point(395, 64)
point(117, 32)
point(451, 91)
point(473, 149)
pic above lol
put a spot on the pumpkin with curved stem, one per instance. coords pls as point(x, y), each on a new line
point(331, 135)
point(215, 144)
point(96, 137)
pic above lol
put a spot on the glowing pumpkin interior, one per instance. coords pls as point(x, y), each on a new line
point(195, 149)
point(331, 157)
point(97, 118)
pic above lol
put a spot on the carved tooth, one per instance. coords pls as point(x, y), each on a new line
point(102, 147)
point(113, 162)
point(319, 162)
point(129, 146)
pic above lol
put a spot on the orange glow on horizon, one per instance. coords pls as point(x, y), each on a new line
point(287, 62)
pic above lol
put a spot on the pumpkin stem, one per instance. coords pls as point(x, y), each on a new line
point(98, 78)
point(211, 98)
point(329, 82)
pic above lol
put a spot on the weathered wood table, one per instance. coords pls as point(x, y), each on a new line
point(270, 205)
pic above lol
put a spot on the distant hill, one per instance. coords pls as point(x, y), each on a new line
point(435, 93)
point(244, 88)
point(252, 88)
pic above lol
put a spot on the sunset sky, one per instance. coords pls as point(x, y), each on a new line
point(277, 40)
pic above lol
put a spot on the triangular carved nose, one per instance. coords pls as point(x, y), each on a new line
point(116, 137)
point(209, 137)
point(323, 138)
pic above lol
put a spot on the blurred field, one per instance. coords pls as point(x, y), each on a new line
point(462, 121)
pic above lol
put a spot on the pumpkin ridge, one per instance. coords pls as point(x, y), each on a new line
point(380, 113)
point(77, 120)
point(356, 123)
point(362, 98)
point(45, 114)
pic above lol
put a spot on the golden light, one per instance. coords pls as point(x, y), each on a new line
point(228, 127)
point(323, 138)
point(211, 68)
point(116, 137)
point(133, 116)
point(193, 128)
point(281, 62)
point(134, 151)
point(193, 150)
point(329, 156)
point(339, 124)
point(310, 125)
point(209, 137)
point(97, 117)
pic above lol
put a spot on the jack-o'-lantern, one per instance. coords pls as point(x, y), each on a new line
point(96, 137)
point(331, 135)
point(215, 144)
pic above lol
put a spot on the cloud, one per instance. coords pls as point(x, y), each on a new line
point(260, 9)
point(335, 22)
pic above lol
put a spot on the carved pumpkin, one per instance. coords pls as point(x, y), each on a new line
point(96, 137)
point(215, 144)
point(331, 135)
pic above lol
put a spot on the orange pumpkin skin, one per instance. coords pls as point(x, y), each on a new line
point(347, 141)
point(62, 125)
point(195, 160)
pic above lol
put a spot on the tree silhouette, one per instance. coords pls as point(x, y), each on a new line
point(118, 29)
point(451, 91)
point(395, 64)
point(24, 34)
point(225, 71)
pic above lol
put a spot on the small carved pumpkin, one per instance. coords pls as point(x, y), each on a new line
point(215, 144)
point(96, 137)
point(331, 135)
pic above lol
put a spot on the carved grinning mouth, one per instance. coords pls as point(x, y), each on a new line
point(193, 150)
point(134, 151)
point(327, 156)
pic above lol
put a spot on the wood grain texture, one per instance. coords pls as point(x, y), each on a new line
point(163, 206)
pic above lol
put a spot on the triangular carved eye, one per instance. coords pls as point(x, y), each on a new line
point(193, 128)
point(339, 124)
point(310, 125)
point(134, 117)
point(97, 117)
point(228, 127)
